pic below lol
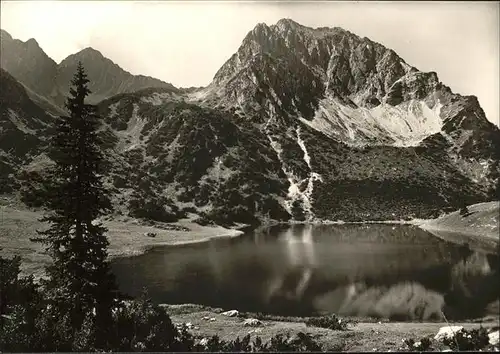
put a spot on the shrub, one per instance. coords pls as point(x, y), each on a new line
point(298, 210)
point(474, 339)
point(33, 189)
point(302, 342)
point(204, 220)
point(120, 182)
point(30, 323)
point(330, 322)
point(19, 305)
point(142, 326)
point(154, 209)
point(422, 345)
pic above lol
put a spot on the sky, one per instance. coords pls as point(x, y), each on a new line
point(185, 43)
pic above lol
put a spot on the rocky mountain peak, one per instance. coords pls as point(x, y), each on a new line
point(89, 52)
point(288, 24)
point(348, 87)
point(29, 64)
point(88, 56)
point(32, 43)
point(319, 62)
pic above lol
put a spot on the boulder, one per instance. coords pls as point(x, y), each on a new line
point(252, 322)
point(493, 336)
point(231, 313)
point(447, 332)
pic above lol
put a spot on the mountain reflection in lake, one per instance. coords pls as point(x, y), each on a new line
point(389, 271)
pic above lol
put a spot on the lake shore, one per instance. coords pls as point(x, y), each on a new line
point(126, 237)
point(481, 220)
point(479, 227)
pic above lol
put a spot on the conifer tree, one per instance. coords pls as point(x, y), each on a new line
point(79, 279)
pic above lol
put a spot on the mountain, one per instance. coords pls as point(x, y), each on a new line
point(106, 78)
point(29, 64)
point(350, 88)
point(23, 126)
point(48, 82)
point(299, 123)
point(362, 95)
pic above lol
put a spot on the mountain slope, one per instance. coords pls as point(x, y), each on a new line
point(176, 154)
point(350, 88)
point(106, 78)
point(287, 77)
point(300, 123)
point(30, 65)
point(23, 128)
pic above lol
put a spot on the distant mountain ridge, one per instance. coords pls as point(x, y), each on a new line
point(300, 123)
point(29, 64)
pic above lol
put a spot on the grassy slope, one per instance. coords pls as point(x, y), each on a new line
point(483, 221)
point(126, 237)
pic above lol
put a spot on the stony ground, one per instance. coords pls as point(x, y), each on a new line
point(365, 335)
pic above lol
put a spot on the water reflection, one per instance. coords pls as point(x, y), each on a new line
point(399, 272)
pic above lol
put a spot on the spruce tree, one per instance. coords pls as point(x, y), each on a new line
point(79, 279)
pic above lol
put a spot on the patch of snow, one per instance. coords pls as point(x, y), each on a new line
point(199, 95)
point(406, 124)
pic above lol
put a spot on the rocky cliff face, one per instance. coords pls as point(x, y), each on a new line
point(349, 88)
point(299, 123)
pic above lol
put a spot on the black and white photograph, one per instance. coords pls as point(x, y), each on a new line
point(249, 176)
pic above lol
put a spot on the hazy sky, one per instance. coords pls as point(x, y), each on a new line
point(186, 42)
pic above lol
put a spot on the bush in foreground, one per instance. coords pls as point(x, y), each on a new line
point(463, 340)
point(142, 326)
point(330, 322)
point(302, 342)
point(422, 345)
point(474, 339)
